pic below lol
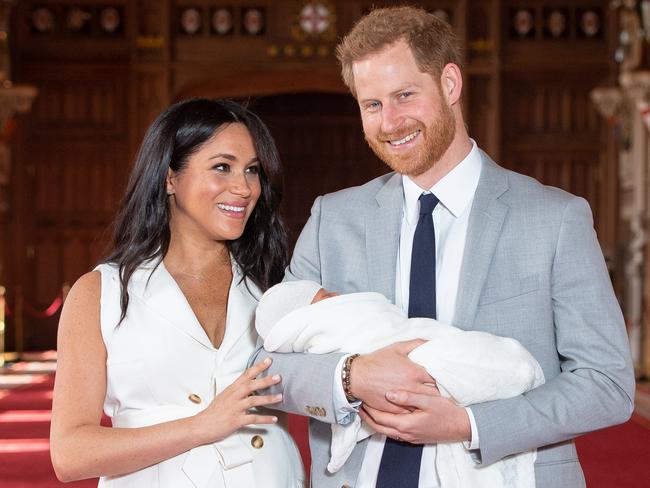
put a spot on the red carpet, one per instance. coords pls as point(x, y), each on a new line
point(618, 457)
point(24, 439)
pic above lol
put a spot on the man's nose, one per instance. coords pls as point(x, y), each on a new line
point(391, 118)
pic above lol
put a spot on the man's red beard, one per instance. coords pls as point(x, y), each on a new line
point(437, 138)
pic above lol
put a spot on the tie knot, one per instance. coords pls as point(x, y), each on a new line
point(428, 202)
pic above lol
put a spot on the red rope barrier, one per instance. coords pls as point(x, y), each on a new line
point(48, 312)
point(54, 307)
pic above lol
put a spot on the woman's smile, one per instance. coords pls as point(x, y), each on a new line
point(236, 210)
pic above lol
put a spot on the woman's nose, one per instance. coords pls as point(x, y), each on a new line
point(240, 185)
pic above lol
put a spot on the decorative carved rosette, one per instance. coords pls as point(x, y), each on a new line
point(315, 21)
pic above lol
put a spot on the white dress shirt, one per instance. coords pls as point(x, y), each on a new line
point(450, 219)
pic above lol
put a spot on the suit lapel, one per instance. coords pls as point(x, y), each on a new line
point(484, 228)
point(382, 237)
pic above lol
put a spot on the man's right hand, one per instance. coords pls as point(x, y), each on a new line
point(388, 369)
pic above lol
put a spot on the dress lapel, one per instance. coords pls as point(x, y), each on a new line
point(382, 237)
point(155, 286)
point(242, 301)
point(160, 292)
point(485, 222)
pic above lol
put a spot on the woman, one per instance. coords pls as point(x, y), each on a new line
point(158, 335)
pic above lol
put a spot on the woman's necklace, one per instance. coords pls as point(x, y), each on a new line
point(183, 273)
point(199, 277)
point(203, 275)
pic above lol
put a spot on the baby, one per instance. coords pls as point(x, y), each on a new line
point(468, 366)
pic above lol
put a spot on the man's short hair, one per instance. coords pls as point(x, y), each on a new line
point(431, 40)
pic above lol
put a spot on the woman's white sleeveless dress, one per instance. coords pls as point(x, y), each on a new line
point(161, 366)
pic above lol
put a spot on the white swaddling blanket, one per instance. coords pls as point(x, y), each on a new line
point(468, 366)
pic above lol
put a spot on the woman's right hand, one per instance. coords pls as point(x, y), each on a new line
point(229, 411)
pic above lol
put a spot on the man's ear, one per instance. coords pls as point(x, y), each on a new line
point(451, 82)
point(169, 182)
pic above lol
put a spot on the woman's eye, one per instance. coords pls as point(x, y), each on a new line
point(253, 170)
point(222, 167)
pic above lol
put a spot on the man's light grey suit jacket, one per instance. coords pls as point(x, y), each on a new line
point(532, 270)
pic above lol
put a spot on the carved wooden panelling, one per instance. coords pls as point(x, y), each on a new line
point(74, 108)
point(74, 190)
point(556, 107)
point(574, 172)
point(66, 255)
point(565, 20)
point(89, 30)
point(209, 19)
point(482, 24)
point(75, 19)
point(78, 184)
point(481, 112)
point(151, 98)
point(551, 131)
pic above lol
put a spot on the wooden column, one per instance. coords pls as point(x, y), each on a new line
point(622, 106)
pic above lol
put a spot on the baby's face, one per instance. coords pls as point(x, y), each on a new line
point(322, 294)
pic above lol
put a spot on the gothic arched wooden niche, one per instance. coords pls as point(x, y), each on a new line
point(322, 148)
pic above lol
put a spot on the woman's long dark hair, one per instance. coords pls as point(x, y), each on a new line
point(141, 229)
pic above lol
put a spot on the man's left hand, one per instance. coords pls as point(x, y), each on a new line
point(431, 418)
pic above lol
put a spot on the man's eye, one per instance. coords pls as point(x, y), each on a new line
point(373, 106)
point(405, 94)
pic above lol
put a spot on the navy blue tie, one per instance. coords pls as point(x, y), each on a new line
point(400, 461)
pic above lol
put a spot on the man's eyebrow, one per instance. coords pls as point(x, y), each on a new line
point(408, 86)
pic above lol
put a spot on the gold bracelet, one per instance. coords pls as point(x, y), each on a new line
point(346, 378)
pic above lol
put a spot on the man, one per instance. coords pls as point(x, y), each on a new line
point(507, 255)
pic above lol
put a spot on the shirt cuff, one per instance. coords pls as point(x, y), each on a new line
point(473, 443)
point(344, 411)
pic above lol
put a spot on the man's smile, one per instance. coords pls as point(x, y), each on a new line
point(404, 140)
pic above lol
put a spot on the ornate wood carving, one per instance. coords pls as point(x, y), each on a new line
point(526, 101)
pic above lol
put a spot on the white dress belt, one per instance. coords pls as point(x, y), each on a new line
point(231, 454)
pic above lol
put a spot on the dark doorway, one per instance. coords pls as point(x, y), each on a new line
point(322, 148)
